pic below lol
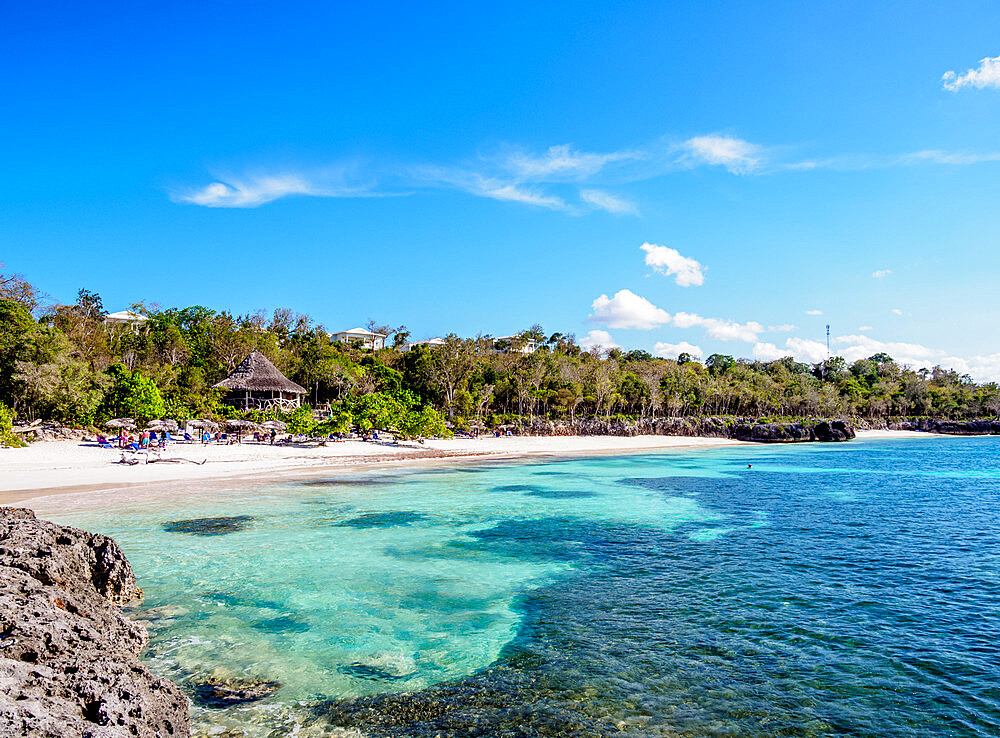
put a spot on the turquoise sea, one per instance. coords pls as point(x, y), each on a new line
point(842, 589)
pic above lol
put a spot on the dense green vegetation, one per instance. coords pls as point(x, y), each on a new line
point(63, 363)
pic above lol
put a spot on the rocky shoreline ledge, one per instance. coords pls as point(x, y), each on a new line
point(737, 429)
point(68, 657)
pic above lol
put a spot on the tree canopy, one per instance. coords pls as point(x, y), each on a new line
point(64, 363)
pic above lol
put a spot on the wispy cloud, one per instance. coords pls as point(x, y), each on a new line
point(248, 193)
point(253, 190)
point(937, 156)
point(735, 154)
point(514, 193)
point(607, 201)
point(558, 162)
point(814, 312)
point(560, 178)
point(987, 74)
point(881, 273)
point(665, 260)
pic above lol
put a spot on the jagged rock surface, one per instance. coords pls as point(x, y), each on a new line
point(740, 429)
point(68, 657)
point(950, 427)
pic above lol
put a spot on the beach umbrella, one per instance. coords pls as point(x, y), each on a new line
point(127, 423)
point(275, 425)
point(202, 423)
point(239, 424)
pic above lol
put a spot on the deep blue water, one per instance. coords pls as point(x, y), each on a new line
point(849, 589)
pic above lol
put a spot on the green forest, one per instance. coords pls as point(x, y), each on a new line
point(64, 363)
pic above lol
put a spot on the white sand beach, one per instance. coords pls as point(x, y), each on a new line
point(56, 466)
point(890, 434)
point(51, 466)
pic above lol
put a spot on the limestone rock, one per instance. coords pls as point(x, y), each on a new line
point(740, 429)
point(68, 657)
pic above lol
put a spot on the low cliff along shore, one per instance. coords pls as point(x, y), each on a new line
point(734, 429)
point(69, 661)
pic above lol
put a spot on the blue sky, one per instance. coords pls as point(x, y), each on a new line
point(786, 165)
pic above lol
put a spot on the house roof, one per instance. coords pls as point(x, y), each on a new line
point(359, 332)
point(257, 373)
point(128, 315)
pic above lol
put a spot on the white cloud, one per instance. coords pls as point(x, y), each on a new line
point(668, 261)
point(609, 202)
point(514, 175)
point(881, 273)
point(249, 193)
point(559, 162)
point(735, 154)
point(859, 346)
point(601, 340)
point(673, 350)
point(981, 368)
point(783, 328)
point(936, 156)
point(865, 328)
point(814, 312)
point(916, 356)
point(628, 310)
point(805, 349)
point(987, 74)
point(513, 193)
point(768, 352)
point(722, 330)
point(800, 349)
point(897, 311)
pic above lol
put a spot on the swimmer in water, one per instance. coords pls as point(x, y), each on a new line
point(749, 466)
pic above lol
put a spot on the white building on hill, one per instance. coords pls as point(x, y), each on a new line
point(513, 344)
point(430, 342)
point(125, 318)
point(361, 337)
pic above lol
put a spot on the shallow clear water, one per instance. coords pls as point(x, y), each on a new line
point(830, 589)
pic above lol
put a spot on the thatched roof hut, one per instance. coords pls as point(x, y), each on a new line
point(256, 382)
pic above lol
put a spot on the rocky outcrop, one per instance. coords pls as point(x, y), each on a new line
point(68, 657)
point(949, 427)
point(740, 429)
point(48, 430)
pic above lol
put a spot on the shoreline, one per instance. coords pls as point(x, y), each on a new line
point(53, 468)
point(64, 467)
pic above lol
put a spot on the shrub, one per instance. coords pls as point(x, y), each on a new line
point(7, 437)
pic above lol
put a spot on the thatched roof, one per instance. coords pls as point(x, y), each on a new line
point(257, 374)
